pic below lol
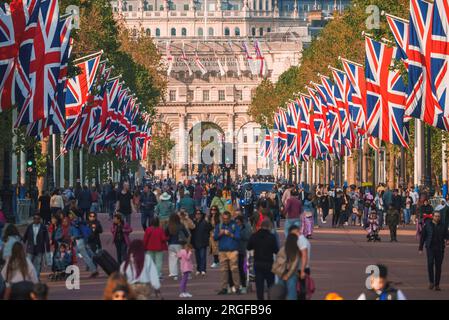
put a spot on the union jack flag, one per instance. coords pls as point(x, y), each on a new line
point(386, 96)
point(18, 22)
point(293, 131)
point(342, 98)
point(306, 145)
point(280, 126)
point(440, 54)
point(43, 73)
point(400, 29)
point(266, 147)
point(422, 102)
point(317, 124)
point(321, 91)
point(357, 103)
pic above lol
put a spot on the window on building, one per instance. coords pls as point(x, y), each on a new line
point(161, 7)
point(268, 29)
point(227, 32)
point(245, 138)
point(257, 138)
point(184, 32)
point(253, 31)
point(173, 32)
point(238, 95)
point(210, 31)
point(186, 7)
point(148, 32)
point(172, 6)
point(189, 95)
point(205, 95)
point(172, 95)
point(260, 5)
point(237, 31)
point(150, 7)
point(221, 95)
point(200, 31)
point(261, 31)
point(158, 32)
point(130, 8)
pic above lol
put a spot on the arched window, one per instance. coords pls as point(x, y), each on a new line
point(200, 31)
point(173, 32)
point(210, 31)
point(253, 31)
point(184, 32)
point(158, 32)
point(261, 31)
point(237, 31)
point(148, 32)
point(227, 32)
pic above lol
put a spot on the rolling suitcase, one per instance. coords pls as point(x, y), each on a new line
point(106, 262)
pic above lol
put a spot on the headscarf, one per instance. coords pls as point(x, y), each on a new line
point(442, 205)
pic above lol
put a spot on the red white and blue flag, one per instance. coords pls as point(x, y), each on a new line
point(386, 94)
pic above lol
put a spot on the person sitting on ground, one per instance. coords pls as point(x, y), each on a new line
point(381, 288)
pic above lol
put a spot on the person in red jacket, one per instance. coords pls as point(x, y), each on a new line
point(155, 241)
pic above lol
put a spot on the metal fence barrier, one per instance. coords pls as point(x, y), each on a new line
point(23, 210)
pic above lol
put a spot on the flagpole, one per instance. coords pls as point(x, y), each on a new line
point(53, 158)
point(205, 20)
point(81, 166)
point(22, 168)
point(61, 166)
point(71, 169)
point(89, 56)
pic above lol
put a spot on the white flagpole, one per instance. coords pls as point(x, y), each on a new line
point(22, 167)
point(71, 169)
point(61, 168)
point(53, 142)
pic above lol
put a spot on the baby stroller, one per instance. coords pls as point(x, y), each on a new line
point(372, 228)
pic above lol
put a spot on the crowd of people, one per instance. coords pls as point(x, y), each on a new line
point(191, 220)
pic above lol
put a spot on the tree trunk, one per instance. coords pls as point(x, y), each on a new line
point(44, 153)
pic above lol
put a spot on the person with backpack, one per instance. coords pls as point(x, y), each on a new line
point(120, 234)
point(306, 284)
point(380, 287)
point(80, 233)
point(286, 266)
point(164, 209)
point(177, 236)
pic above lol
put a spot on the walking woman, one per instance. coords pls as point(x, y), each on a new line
point(18, 268)
point(56, 202)
point(287, 264)
point(177, 237)
point(155, 242)
point(140, 271)
point(11, 235)
point(120, 233)
point(307, 217)
point(214, 220)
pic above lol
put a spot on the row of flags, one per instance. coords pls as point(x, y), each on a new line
point(257, 64)
point(363, 103)
point(92, 110)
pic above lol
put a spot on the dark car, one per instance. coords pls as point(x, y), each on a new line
point(258, 188)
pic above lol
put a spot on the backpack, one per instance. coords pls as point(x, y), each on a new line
point(280, 265)
point(309, 287)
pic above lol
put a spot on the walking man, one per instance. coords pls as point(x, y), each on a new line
point(147, 202)
point(227, 234)
point(293, 210)
point(37, 242)
point(434, 235)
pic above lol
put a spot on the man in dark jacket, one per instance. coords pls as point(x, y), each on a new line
point(147, 202)
point(84, 202)
point(245, 234)
point(96, 228)
point(200, 241)
point(396, 200)
point(264, 244)
point(434, 236)
point(392, 220)
point(37, 242)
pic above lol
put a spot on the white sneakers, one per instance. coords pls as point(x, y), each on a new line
point(214, 265)
point(203, 273)
point(185, 295)
point(197, 273)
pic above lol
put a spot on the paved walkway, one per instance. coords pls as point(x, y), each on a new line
point(339, 259)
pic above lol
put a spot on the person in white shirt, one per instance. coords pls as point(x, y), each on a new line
point(140, 271)
point(380, 287)
point(18, 268)
point(304, 247)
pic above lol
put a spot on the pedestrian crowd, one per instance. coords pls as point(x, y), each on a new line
point(236, 225)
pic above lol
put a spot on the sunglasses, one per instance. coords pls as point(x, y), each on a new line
point(92, 216)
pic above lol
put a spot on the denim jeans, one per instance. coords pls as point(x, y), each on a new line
point(146, 218)
point(289, 223)
point(87, 254)
point(201, 257)
point(36, 260)
point(407, 213)
point(290, 284)
point(263, 275)
point(94, 207)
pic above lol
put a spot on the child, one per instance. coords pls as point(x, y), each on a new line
point(120, 234)
point(373, 227)
point(61, 261)
point(185, 257)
